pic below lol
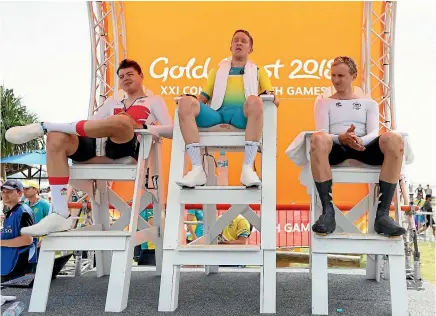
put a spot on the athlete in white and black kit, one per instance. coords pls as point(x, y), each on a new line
point(77, 140)
point(348, 129)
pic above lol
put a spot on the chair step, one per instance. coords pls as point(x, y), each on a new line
point(351, 243)
point(221, 195)
point(86, 240)
point(225, 139)
point(207, 248)
point(357, 236)
point(91, 233)
point(103, 172)
point(217, 255)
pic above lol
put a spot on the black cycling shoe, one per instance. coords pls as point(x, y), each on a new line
point(325, 224)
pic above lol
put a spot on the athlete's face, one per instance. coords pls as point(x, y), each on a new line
point(241, 45)
point(342, 79)
point(130, 80)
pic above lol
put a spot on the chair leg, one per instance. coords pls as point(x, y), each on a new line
point(100, 214)
point(319, 284)
point(41, 285)
point(209, 215)
point(169, 286)
point(399, 299)
point(119, 280)
point(268, 283)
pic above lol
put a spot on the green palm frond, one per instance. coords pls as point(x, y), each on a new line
point(13, 113)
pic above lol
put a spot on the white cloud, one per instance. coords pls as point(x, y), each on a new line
point(45, 57)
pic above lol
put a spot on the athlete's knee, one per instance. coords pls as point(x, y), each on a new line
point(188, 106)
point(320, 142)
point(391, 143)
point(254, 105)
point(121, 123)
point(57, 141)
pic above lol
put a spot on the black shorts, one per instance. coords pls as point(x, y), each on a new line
point(372, 155)
point(87, 147)
point(429, 220)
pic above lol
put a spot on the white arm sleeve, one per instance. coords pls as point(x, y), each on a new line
point(322, 122)
point(372, 123)
point(160, 111)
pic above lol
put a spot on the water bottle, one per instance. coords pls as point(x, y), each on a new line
point(15, 309)
point(222, 169)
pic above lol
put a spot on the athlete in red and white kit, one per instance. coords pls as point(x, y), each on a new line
point(115, 120)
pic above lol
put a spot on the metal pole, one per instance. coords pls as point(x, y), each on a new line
point(392, 69)
point(92, 91)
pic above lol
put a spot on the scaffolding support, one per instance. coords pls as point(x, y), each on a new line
point(378, 68)
point(108, 48)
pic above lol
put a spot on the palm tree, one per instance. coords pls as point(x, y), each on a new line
point(13, 113)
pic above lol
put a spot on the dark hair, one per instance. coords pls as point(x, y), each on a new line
point(129, 63)
point(246, 33)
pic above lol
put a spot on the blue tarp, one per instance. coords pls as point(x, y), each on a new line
point(36, 157)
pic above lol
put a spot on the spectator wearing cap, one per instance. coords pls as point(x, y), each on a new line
point(39, 206)
point(18, 252)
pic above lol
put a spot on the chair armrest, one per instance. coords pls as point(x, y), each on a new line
point(145, 132)
point(267, 97)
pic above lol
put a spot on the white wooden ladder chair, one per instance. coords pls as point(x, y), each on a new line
point(112, 243)
point(205, 251)
point(350, 240)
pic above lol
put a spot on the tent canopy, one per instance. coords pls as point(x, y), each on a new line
point(35, 157)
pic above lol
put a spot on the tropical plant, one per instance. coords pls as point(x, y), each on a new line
point(14, 113)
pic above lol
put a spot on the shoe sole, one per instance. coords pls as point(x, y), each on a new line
point(252, 185)
point(43, 235)
point(10, 138)
point(188, 187)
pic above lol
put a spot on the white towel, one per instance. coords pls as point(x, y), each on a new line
point(250, 77)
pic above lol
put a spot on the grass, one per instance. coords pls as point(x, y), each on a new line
point(428, 266)
point(427, 250)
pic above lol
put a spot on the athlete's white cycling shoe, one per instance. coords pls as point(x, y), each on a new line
point(249, 177)
point(195, 177)
point(23, 134)
point(49, 224)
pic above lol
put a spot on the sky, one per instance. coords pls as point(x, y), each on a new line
point(45, 58)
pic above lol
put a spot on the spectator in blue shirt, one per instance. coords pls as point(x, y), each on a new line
point(18, 252)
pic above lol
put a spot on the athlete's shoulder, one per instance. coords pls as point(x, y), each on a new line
point(367, 102)
point(325, 101)
point(112, 103)
point(152, 101)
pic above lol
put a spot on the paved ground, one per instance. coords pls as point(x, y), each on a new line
point(230, 293)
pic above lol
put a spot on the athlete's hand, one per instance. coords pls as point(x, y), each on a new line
point(276, 100)
point(351, 140)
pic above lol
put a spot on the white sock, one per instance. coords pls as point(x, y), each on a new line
point(59, 199)
point(250, 152)
point(68, 128)
point(194, 153)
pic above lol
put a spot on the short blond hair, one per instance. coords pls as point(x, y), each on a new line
point(347, 61)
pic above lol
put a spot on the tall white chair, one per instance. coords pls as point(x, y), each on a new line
point(204, 251)
point(348, 238)
point(113, 243)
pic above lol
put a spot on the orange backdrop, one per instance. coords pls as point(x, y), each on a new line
point(177, 43)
